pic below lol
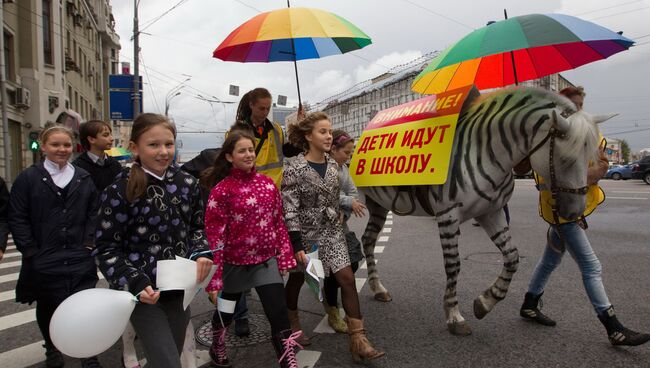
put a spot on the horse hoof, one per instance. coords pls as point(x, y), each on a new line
point(459, 329)
point(383, 297)
point(479, 309)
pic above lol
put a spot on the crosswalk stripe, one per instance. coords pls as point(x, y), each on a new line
point(23, 356)
point(4, 265)
point(379, 249)
point(324, 327)
point(383, 239)
point(360, 282)
point(388, 222)
point(7, 295)
point(11, 247)
point(364, 265)
point(14, 277)
point(307, 358)
point(9, 277)
point(17, 319)
point(11, 255)
point(387, 230)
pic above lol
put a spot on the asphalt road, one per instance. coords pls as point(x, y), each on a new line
point(412, 328)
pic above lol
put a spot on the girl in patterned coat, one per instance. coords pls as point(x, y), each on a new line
point(245, 228)
point(153, 212)
point(310, 193)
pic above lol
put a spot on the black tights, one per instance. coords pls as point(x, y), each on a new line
point(273, 302)
point(331, 287)
point(44, 311)
point(344, 278)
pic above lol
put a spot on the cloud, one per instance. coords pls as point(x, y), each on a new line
point(384, 63)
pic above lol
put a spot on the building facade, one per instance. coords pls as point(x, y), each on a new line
point(57, 56)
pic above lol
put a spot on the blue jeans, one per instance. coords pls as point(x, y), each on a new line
point(579, 248)
point(241, 308)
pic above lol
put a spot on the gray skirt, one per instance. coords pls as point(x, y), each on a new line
point(240, 278)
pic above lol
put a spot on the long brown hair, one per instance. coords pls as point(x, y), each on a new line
point(221, 168)
point(136, 184)
point(244, 109)
point(297, 132)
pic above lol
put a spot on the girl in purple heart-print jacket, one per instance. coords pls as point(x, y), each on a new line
point(153, 212)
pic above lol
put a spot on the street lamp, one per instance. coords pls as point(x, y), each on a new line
point(175, 92)
point(168, 101)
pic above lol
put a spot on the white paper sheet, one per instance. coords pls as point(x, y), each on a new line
point(180, 274)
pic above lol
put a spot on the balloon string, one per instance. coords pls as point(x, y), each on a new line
point(196, 254)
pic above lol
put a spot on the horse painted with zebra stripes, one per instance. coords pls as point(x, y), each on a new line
point(494, 133)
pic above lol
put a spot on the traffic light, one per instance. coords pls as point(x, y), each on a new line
point(34, 145)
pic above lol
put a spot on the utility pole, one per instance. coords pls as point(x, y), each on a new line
point(136, 61)
point(3, 95)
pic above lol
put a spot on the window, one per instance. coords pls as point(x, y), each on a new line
point(48, 57)
point(9, 57)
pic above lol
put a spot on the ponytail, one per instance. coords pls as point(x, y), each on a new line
point(136, 184)
point(244, 109)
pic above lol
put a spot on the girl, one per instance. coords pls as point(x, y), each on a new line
point(310, 192)
point(151, 213)
point(246, 231)
point(342, 148)
point(52, 213)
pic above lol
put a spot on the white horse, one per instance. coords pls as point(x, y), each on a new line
point(494, 133)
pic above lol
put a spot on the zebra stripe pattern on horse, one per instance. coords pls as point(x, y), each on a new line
point(494, 133)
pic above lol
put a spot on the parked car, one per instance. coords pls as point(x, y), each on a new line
point(641, 170)
point(618, 172)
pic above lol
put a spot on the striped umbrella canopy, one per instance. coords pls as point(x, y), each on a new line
point(273, 36)
point(519, 49)
point(119, 153)
point(291, 34)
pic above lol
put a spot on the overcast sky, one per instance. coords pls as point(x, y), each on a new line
point(180, 44)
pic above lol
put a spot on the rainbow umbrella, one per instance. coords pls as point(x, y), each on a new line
point(289, 35)
point(119, 153)
point(519, 49)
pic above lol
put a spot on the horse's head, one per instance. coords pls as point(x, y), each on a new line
point(574, 143)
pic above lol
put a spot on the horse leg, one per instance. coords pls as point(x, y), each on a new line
point(496, 227)
point(369, 239)
point(449, 227)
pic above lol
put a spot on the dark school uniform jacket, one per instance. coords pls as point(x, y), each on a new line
point(167, 221)
point(102, 175)
point(52, 227)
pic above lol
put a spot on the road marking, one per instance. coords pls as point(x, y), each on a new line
point(383, 239)
point(360, 282)
point(11, 247)
point(4, 265)
point(14, 277)
point(387, 230)
point(628, 191)
point(12, 255)
point(17, 319)
point(23, 356)
point(9, 277)
point(388, 222)
point(307, 358)
point(639, 198)
point(379, 249)
point(364, 265)
point(324, 327)
point(7, 295)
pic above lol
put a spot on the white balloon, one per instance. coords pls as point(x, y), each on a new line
point(89, 322)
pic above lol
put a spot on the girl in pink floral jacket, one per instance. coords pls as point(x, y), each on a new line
point(245, 227)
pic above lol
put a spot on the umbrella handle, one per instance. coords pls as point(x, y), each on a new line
point(512, 54)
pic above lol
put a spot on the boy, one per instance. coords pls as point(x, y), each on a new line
point(96, 137)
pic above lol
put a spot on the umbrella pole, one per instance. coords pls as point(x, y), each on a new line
point(295, 64)
point(512, 54)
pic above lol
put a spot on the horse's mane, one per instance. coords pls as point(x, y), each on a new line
point(563, 103)
point(584, 134)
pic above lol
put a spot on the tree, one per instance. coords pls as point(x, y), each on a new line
point(625, 151)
